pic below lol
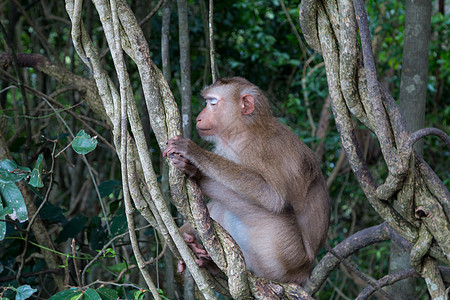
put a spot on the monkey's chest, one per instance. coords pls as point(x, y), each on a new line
point(238, 230)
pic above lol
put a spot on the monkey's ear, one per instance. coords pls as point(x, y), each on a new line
point(247, 104)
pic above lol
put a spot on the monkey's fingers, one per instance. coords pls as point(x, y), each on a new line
point(179, 158)
point(201, 262)
point(183, 164)
point(181, 267)
point(171, 146)
point(178, 145)
point(199, 251)
point(168, 151)
point(195, 246)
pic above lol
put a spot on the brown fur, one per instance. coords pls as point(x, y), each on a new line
point(264, 183)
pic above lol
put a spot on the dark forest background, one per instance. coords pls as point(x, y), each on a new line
point(258, 40)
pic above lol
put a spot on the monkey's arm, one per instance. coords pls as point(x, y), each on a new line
point(242, 180)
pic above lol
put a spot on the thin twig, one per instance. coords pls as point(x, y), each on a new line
point(345, 248)
point(305, 91)
point(33, 274)
point(36, 214)
point(150, 15)
point(20, 83)
point(62, 108)
point(103, 251)
point(101, 282)
point(387, 280)
point(212, 51)
point(49, 16)
point(355, 270)
point(165, 40)
point(50, 185)
point(75, 263)
point(337, 167)
point(37, 29)
point(151, 261)
point(294, 28)
point(83, 157)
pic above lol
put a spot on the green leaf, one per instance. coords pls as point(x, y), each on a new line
point(117, 268)
point(70, 294)
point(109, 253)
point(139, 295)
point(91, 294)
point(14, 200)
point(11, 171)
point(119, 223)
point(83, 143)
point(52, 213)
point(24, 292)
point(39, 161)
point(161, 294)
point(97, 234)
point(3, 213)
point(72, 228)
point(106, 188)
point(36, 178)
point(107, 294)
point(294, 62)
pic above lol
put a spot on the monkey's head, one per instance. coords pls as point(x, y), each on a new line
point(232, 105)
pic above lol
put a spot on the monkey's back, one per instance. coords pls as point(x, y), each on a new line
point(286, 162)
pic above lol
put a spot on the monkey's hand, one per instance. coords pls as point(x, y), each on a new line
point(178, 149)
point(202, 257)
point(185, 165)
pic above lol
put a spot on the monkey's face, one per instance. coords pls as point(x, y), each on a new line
point(210, 121)
point(219, 116)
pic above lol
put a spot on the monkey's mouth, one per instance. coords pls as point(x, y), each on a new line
point(204, 131)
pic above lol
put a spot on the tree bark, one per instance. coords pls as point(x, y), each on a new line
point(185, 66)
point(186, 103)
point(413, 86)
point(413, 91)
point(169, 278)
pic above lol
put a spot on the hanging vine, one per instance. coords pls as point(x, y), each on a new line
point(331, 27)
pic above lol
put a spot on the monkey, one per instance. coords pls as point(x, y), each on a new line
point(264, 184)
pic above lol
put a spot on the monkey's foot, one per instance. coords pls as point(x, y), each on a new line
point(202, 257)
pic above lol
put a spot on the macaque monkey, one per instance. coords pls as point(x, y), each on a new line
point(264, 183)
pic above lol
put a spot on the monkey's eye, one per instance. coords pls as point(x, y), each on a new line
point(212, 101)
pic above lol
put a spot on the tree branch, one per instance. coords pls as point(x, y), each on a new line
point(345, 248)
point(386, 280)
